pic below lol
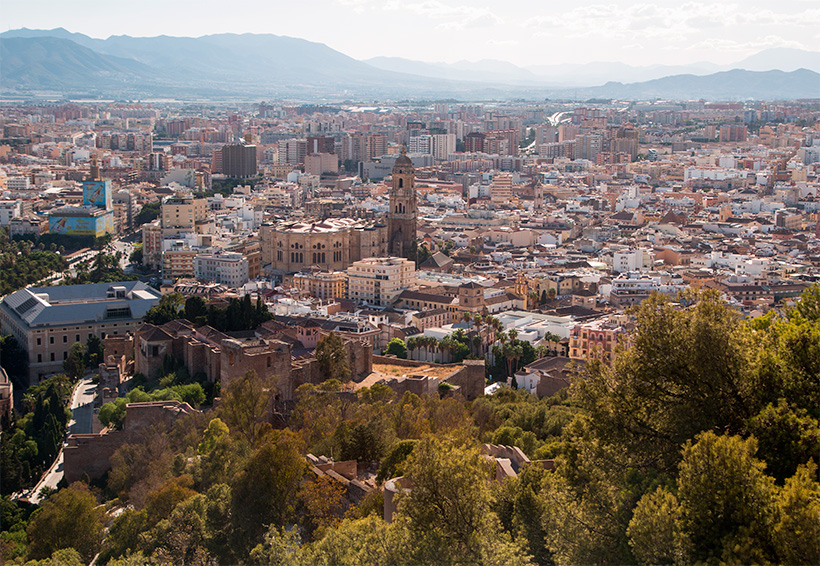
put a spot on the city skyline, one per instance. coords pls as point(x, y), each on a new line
point(524, 33)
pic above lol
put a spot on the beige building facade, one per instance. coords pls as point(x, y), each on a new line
point(331, 244)
point(378, 281)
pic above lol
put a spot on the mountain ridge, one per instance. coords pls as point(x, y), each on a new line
point(270, 65)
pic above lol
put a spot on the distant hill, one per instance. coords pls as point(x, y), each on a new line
point(228, 59)
point(781, 58)
point(736, 84)
point(246, 66)
point(50, 63)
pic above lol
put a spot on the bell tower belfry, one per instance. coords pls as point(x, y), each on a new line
point(401, 217)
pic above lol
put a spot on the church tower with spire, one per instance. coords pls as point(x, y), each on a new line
point(401, 217)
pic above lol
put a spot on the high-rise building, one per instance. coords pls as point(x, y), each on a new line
point(376, 145)
point(443, 145)
point(731, 133)
point(401, 217)
point(321, 144)
point(292, 151)
point(501, 188)
point(474, 142)
point(239, 160)
point(420, 144)
point(588, 146)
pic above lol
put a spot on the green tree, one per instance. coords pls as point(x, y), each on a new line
point(396, 347)
point(95, 351)
point(136, 256)
point(147, 213)
point(13, 357)
point(655, 531)
point(684, 373)
point(796, 525)
point(70, 518)
point(447, 512)
point(280, 547)
point(166, 310)
point(332, 357)
point(196, 310)
point(265, 491)
point(787, 437)
point(722, 510)
point(245, 403)
point(74, 364)
point(393, 464)
point(124, 534)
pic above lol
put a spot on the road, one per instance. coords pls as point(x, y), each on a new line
point(125, 248)
point(82, 413)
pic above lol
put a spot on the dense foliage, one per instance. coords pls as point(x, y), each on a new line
point(30, 444)
point(697, 445)
point(104, 268)
point(22, 264)
point(240, 314)
point(149, 212)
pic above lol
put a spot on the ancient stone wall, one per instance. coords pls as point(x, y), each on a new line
point(470, 378)
point(270, 359)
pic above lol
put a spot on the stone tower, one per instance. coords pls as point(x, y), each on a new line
point(401, 218)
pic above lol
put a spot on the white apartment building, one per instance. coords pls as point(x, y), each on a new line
point(227, 268)
point(443, 146)
point(632, 260)
point(420, 144)
point(17, 183)
point(379, 280)
point(9, 209)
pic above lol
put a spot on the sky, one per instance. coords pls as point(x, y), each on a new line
point(523, 32)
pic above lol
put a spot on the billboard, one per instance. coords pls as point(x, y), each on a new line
point(97, 193)
point(72, 225)
point(82, 225)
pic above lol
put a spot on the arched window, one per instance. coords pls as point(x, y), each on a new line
point(268, 361)
point(401, 183)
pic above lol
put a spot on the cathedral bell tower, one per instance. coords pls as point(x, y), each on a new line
point(401, 218)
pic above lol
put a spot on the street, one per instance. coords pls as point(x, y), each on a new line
point(82, 413)
point(125, 248)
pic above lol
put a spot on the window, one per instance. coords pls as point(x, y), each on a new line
point(39, 341)
point(77, 338)
point(52, 356)
point(39, 358)
point(65, 355)
point(65, 339)
point(51, 339)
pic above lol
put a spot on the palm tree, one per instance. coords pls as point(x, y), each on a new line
point(513, 334)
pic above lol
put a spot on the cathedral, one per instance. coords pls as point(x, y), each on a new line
point(401, 217)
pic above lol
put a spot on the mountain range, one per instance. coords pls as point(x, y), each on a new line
point(250, 66)
point(592, 74)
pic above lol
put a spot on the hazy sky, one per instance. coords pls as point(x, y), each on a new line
point(525, 32)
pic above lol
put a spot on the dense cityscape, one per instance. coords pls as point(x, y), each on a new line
point(420, 331)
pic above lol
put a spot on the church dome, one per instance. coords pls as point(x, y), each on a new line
point(403, 161)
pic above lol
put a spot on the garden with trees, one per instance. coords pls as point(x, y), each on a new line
point(697, 445)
